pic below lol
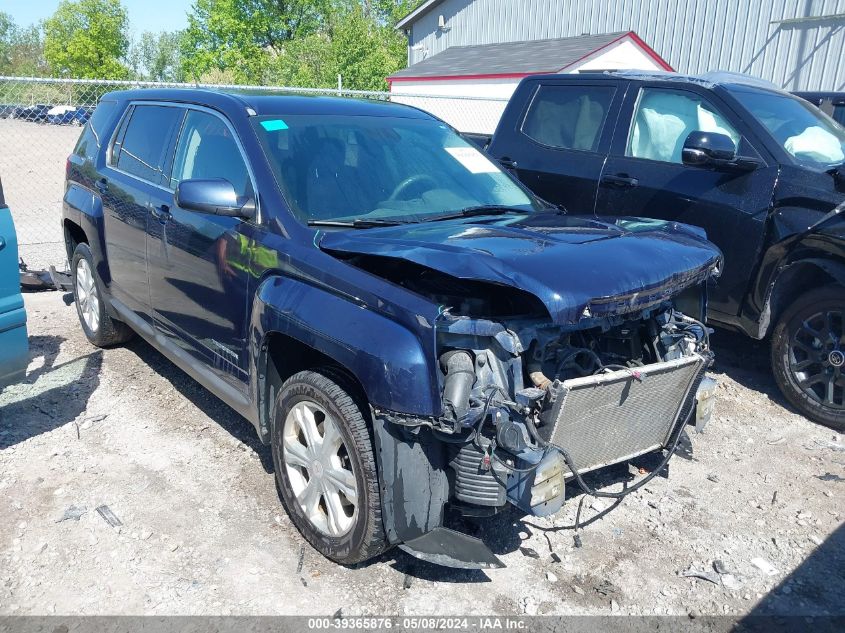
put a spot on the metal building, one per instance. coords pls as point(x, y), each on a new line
point(796, 44)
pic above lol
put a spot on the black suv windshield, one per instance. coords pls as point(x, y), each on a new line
point(807, 134)
point(344, 168)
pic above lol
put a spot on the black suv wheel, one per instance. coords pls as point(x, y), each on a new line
point(808, 355)
point(99, 328)
point(325, 467)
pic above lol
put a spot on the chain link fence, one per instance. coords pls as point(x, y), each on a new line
point(41, 119)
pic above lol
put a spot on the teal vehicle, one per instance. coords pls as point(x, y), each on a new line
point(14, 345)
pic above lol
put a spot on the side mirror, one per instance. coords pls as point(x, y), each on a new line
point(708, 149)
point(213, 195)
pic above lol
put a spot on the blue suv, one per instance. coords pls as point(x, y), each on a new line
point(406, 325)
point(14, 346)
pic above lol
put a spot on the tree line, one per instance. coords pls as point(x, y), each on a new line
point(304, 43)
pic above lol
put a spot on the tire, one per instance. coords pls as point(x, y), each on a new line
point(346, 529)
point(99, 328)
point(808, 355)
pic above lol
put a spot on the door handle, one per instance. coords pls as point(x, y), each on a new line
point(2, 243)
point(620, 181)
point(160, 212)
point(507, 163)
point(102, 185)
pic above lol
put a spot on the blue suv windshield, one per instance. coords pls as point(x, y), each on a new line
point(808, 135)
point(344, 168)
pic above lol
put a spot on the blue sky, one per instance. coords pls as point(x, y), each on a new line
point(144, 15)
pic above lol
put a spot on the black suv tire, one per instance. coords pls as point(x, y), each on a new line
point(798, 354)
point(99, 328)
point(320, 393)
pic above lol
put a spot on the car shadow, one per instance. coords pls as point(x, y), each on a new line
point(812, 590)
point(747, 362)
point(222, 414)
point(51, 395)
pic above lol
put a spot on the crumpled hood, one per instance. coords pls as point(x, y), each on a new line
point(579, 267)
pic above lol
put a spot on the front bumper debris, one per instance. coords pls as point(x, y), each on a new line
point(446, 547)
point(705, 401)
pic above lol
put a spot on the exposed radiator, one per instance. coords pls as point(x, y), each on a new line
point(609, 418)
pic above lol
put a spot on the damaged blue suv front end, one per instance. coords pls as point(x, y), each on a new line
point(564, 345)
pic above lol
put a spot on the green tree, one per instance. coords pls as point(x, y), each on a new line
point(27, 56)
point(87, 39)
point(21, 49)
point(356, 40)
point(7, 31)
point(157, 56)
point(243, 35)
point(305, 43)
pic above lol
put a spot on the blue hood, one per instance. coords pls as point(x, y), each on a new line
point(579, 267)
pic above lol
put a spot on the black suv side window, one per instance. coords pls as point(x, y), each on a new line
point(665, 117)
point(839, 113)
point(568, 117)
point(92, 136)
point(141, 143)
point(207, 149)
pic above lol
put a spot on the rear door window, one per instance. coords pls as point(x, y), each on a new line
point(142, 142)
point(568, 117)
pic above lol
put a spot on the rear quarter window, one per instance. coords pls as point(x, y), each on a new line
point(90, 140)
point(568, 117)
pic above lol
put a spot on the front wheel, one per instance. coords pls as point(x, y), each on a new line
point(325, 467)
point(808, 355)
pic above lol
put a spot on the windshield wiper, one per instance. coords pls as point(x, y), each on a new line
point(358, 223)
point(482, 209)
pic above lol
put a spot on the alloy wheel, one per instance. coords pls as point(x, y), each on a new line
point(817, 358)
point(87, 296)
point(319, 468)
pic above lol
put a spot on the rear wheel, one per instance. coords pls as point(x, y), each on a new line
point(808, 355)
point(99, 328)
point(325, 467)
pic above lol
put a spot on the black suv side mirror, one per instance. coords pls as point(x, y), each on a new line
point(213, 195)
point(708, 148)
point(711, 149)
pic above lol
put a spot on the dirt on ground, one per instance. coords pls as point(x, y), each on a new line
point(749, 519)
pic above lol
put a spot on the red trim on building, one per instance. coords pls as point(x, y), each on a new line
point(482, 76)
point(651, 52)
point(648, 50)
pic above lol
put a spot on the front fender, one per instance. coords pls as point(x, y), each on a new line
point(791, 281)
point(388, 359)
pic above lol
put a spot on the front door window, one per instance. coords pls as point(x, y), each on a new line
point(665, 118)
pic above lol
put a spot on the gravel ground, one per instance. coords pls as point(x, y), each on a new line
point(759, 497)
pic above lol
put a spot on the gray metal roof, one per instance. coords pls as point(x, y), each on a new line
point(536, 56)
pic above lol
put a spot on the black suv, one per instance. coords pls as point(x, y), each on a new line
point(759, 169)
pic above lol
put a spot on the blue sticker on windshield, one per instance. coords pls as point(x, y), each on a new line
point(274, 125)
